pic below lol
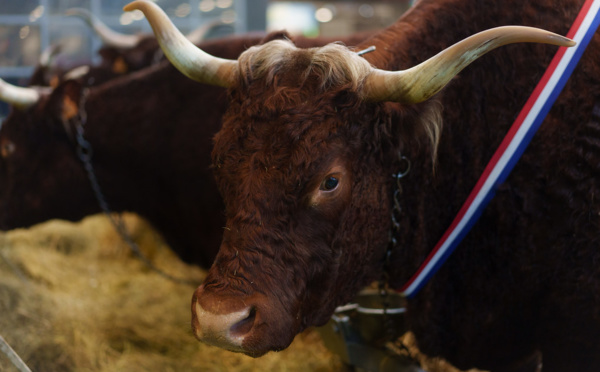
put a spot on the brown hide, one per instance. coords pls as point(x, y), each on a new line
point(524, 279)
point(150, 154)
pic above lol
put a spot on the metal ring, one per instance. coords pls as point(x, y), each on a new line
point(400, 174)
point(368, 310)
point(347, 307)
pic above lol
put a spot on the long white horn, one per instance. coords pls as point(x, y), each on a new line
point(187, 58)
point(421, 82)
point(19, 97)
point(108, 36)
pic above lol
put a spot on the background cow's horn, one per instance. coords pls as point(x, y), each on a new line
point(48, 55)
point(18, 96)
point(421, 82)
point(190, 60)
point(109, 37)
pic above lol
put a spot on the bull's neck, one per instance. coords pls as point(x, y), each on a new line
point(478, 108)
point(118, 159)
point(153, 158)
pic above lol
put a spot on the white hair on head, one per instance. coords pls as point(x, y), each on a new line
point(334, 63)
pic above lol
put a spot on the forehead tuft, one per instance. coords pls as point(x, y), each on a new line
point(334, 65)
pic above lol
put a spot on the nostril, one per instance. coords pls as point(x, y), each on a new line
point(245, 325)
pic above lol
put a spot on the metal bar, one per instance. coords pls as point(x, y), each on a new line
point(13, 356)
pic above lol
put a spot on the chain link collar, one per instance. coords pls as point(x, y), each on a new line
point(384, 285)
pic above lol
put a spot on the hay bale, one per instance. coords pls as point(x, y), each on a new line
point(74, 298)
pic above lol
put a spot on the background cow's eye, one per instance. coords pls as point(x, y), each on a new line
point(330, 183)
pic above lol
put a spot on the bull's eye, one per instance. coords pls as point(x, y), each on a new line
point(330, 183)
point(7, 148)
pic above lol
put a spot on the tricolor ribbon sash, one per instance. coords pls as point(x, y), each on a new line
point(514, 144)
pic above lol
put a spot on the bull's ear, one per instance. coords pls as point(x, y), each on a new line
point(64, 103)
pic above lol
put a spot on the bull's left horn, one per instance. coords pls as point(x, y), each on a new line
point(423, 81)
point(19, 97)
point(108, 36)
point(190, 60)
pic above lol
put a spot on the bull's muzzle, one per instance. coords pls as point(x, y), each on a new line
point(225, 322)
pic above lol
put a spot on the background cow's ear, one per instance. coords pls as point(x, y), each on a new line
point(64, 102)
point(276, 35)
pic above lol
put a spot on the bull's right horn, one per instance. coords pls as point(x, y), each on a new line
point(108, 36)
point(19, 97)
point(190, 60)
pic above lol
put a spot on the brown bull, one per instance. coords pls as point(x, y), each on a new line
point(305, 160)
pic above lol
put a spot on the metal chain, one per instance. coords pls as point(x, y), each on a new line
point(396, 212)
point(84, 151)
point(397, 208)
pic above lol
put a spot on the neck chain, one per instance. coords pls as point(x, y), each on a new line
point(393, 241)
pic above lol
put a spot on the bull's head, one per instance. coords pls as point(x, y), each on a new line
point(303, 164)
